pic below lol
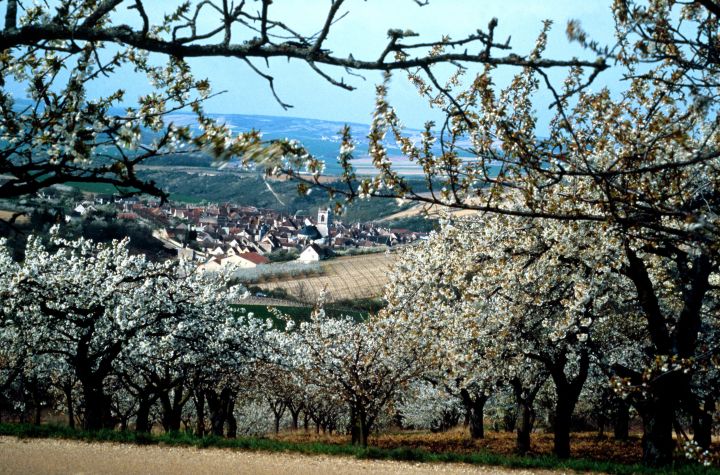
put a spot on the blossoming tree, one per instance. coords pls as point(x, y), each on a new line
point(507, 297)
point(643, 161)
point(360, 362)
point(94, 311)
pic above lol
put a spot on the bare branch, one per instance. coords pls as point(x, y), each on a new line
point(271, 84)
point(11, 15)
point(300, 48)
point(336, 4)
point(141, 10)
point(103, 9)
point(329, 79)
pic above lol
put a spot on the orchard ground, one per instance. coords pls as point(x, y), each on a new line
point(50, 448)
point(585, 445)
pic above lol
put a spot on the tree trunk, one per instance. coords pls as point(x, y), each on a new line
point(199, 400)
point(621, 424)
point(702, 423)
point(476, 423)
point(218, 404)
point(142, 418)
point(525, 418)
point(36, 392)
point(295, 413)
point(232, 427)
point(170, 421)
point(525, 422)
point(278, 407)
point(172, 409)
point(360, 427)
point(567, 393)
point(659, 407)
point(306, 421)
point(657, 440)
point(277, 423)
point(67, 389)
point(509, 420)
point(564, 407)
point(474, 412)
point(217, 423)
point(525, 414)
point(231, 421)
point(97, 408)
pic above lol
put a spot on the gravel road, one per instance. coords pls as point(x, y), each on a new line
point(49, 456)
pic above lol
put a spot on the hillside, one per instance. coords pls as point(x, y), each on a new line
point(193, 178)
point(198, 184)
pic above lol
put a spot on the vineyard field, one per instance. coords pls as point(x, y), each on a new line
point(343, 278)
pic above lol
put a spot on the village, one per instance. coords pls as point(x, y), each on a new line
point(226, 235)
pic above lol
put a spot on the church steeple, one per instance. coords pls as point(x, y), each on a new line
point(324, 221)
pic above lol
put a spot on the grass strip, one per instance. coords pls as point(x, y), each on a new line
point(374, 453)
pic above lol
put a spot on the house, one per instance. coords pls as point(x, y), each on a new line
point(310, 233)
point(212, 264)
point(269, 243)
point(251, 259)
point(314, 253)
point(218, 251)
point(128, 216)
point(84, 208)
point(209, 219)
point(104, 199)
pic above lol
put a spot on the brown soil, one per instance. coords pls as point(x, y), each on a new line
point(585, 445)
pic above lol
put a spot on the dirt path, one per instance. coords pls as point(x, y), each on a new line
point(48, 456)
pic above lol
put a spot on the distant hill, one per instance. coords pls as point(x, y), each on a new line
point(321, 137)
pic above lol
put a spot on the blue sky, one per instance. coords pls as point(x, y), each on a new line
point(363, 32)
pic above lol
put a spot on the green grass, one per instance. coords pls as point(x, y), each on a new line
point(316, 448)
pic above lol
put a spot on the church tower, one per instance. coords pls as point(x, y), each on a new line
point(324, 221)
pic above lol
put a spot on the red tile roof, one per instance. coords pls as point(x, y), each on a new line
point(254, 257)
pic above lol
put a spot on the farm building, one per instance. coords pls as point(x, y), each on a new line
point(314, 253)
